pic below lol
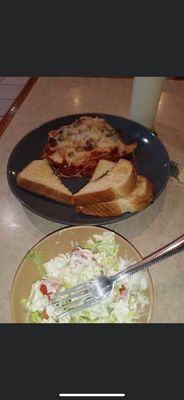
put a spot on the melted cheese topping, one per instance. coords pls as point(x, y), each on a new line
point(81, 144)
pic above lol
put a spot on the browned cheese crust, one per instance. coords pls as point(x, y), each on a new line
point(76, 148)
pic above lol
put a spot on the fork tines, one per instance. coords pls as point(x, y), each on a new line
point(73, 299)
point(70, 295)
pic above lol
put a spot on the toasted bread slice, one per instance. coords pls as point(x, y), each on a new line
point(101, 169)
point(118, 182)
point(140, 197)
point(38, 177)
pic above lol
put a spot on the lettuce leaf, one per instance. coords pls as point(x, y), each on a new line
point(36, 257)
point(34, 317)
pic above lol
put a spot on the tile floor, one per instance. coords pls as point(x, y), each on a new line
point(10, 88)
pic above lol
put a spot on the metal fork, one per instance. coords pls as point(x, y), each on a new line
point(91, 292)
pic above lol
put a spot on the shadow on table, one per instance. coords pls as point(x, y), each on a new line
point(42, 224)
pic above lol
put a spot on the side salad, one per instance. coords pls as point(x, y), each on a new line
point(96, 256)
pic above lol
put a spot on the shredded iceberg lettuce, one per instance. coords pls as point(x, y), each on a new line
point(96, 256)
point(36, 257)
point(35, 318)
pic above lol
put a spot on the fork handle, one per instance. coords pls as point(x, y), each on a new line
point(167, 251)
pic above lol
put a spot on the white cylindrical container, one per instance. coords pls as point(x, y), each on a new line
point(145, 98)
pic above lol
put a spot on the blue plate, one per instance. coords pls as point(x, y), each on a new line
point(151, 160)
